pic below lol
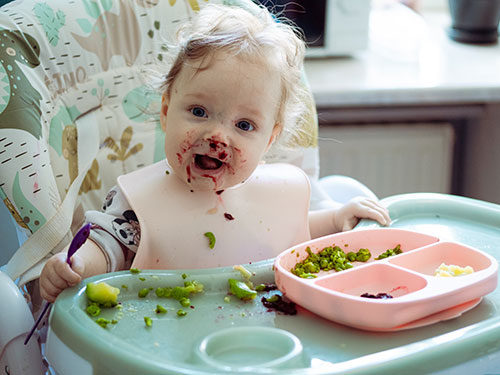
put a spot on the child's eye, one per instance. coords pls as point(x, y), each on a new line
point(198, 112)
point(245, 126)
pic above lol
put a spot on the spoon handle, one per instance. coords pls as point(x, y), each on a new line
point(77, 242)
point(32, 330)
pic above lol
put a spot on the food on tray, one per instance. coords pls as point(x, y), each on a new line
point(102, 293)
point(361, 256)
point(211, 239)
point(377, 296)
point(103, 322)
point(445, 270)
point(266, 287)
point(135, 270)
point(278, 303)
point(93, 309)
point(390, 252)
point(180, 293)
point(246, 274)
point(329, 258)
point(241, 290)
point(160, 309)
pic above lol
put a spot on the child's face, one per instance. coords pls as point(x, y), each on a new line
point(220, 120)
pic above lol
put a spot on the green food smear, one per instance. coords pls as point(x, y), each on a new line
point(160, 309)
point(102, 293)
point(93, 309)
point(143, 293)
point(241, 290)
point(180, 293)
point(390, 252)
point(329, 258)
point(211, 239)
point(103, 322)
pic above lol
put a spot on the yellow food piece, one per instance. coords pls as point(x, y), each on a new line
point(102, 293)
point(445, 270)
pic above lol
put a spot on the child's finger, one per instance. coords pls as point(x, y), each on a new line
point(381, 212)
point(77, 265)
point(379, 217)
point(64, 271)
point(56, 281)
point(49, 292)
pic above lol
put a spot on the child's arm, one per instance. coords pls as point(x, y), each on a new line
point(57, 275)
point(345, 217)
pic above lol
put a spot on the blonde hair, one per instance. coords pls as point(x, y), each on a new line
point(253, 32)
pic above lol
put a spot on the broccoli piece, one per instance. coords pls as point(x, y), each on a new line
point(363, 255)
point(241, 290)
point(102, 293)
point(143, 293)
point(211, 239)
point(93, 309)
point(103, 322)
point(160, 309)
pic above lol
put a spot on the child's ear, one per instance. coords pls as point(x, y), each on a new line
point(165, 100)
point(274, 134)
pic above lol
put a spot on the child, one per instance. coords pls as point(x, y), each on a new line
point(233, 88)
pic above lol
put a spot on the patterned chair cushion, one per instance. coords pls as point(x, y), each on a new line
point(74, 93)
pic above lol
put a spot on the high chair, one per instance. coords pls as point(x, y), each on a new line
point(76, 112)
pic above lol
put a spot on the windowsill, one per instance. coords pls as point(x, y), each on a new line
point(410, 60)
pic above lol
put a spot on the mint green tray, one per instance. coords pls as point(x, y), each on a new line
point(328, 348)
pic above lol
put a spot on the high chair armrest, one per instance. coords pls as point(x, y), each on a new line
point(15, 321)
point(343, 188)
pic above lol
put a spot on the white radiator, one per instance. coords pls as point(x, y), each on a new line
point(390, 158)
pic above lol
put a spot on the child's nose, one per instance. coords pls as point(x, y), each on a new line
point(217, 137)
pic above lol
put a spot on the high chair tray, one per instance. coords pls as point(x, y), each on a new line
point(219, 337)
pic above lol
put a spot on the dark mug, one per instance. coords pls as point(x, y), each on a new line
point(474, 21)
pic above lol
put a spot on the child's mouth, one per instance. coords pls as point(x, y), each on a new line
point(206, 162)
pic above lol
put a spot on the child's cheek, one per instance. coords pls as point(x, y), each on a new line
point(185, 145)
point(240, 155)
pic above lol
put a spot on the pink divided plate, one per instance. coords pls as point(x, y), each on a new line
point(419, 297)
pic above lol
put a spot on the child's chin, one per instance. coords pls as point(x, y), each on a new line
point(211, 184)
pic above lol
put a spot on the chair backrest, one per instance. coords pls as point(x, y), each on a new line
point(76, 111)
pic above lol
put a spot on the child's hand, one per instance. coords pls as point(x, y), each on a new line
point(358, 208)
point(57, 275)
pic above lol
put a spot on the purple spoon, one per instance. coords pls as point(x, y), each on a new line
point(77, 242)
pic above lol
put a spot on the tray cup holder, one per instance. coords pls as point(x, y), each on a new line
point(428, 259)
point(239, 348)
point(374, 279)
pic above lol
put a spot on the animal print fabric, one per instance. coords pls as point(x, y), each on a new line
point(74, 86)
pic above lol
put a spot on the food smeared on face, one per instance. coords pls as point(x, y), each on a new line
point(219, 117)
